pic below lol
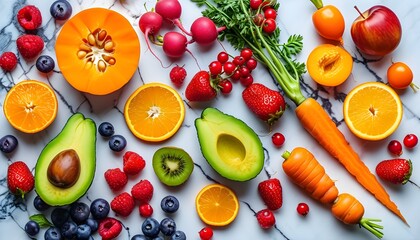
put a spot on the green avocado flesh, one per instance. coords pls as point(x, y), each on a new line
point(229, 145)
point(76, 139)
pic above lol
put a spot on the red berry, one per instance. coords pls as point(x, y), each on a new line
point(266, 218)
point(238, 60)
point(29, 46)
point(215, 68)
point(123, 204)
point(258, 19)
point(142, 191)
point(302, 209)
point(244, 71)
point(246, 81)
point(255, 4)
point(116, 178)
point(410, 140)
point(270, 12)
point(246, 53)
point(206, 233)
point(145, 210)
point(222, 57)
point(236, 75)
point(29, 17)
point(251, 64)
point(396, 171)
point(271, 193)
point(229, 68)
point(395, 147)
point(8, 61)
point(19, 178)
point(269, 26)
point(177, 75)
point(133, 163)
point(278, 139)
point(226, 86)
point(109, 228)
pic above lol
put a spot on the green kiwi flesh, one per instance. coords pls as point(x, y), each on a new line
point(173, 166)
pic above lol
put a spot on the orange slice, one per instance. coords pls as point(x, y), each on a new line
point(372, 111)
point(30, 106)
point(154, 112)
point(217, 205)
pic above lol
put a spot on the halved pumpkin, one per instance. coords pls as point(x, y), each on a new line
point(98, 51)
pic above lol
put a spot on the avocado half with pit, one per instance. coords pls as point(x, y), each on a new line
point(66, 166)
point(229, 145)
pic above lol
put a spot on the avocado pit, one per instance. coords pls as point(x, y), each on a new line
point(64, 170)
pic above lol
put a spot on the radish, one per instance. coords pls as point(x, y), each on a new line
point(174, 44)
point(171, 10)
point(204, 31)
point(150, 24)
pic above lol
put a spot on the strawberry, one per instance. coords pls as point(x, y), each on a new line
point(266, 103)
point(177, 75)
point(142, 191)
point(266, 218)
point(29, 17)
point(29, 46)
point(397, 171)
point(116, 178)
point(271, 192)
point(19, 178)
point(133, 163)
point(8, 61)
point(201, 88)
point(123, 204)
point(109, 228)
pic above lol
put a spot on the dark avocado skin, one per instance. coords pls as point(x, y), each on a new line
point(79, 134)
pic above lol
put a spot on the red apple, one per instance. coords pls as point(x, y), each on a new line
point(377, 31)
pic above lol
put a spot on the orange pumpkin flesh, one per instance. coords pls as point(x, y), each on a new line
point(98, 51)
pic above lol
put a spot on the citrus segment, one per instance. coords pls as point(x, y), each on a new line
point(372, 110)
point(30, 106)
point(154, 112)
point(217, 205)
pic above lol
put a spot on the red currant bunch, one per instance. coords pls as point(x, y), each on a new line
point(265, 15)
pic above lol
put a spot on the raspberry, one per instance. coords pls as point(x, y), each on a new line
point(142, 191)
point(145, 210)
point(133, 163)
point(8, 61)
point(29, 46)
point(29, 17)
point(116, 178)
point(123, 204)
point(266, 218)
point(177, 75)
point(109, 228)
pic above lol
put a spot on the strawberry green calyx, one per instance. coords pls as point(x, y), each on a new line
point(408, 174)
point(274, 117)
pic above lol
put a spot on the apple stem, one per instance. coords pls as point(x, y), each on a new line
point(361, 14)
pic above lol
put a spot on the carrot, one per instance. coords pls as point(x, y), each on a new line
point(318, 123)
point(305, 171)
point(328, 21)
point(349, 210)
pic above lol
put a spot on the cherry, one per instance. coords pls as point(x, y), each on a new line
point(255, 4)
point(269, 26)
point(278, 139)
point(229, 68)
point(215, 68)
point(395, 147)
point(226, 86)
point(238, 60)
point(246, 53)
point(258, 19)
point(270, 12)
point(246, 81)
point(410, 140)
point(206, 233)
point(236, 75)
point(222, 57)
point(302, 209)
point(251, 64)
point(244, 71)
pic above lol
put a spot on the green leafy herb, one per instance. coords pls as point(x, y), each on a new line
point(41, 220)
point(241, 31)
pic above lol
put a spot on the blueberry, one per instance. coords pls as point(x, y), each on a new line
point(61, 10)
point(167, 226)
point(169, 204)
point(8, 143)
point(40, 205)
point(32, 228)
point(158, 238)
point(117, 143)
point(59, 216)
point(52, 233)
point(178, 235)
point(93, 224)
point(99, 208)
point(45, 64)
point(150, 227)
point(83, 232)
point(139, 237)
point(79, 212)
point(106, 129)
point(69, 230)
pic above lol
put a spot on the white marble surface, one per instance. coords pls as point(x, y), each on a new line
point(294, 17)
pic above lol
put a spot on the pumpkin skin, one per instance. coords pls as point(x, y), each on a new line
point(98, 51)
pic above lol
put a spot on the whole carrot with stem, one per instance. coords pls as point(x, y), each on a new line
point(241, 31)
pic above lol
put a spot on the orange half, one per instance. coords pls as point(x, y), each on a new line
point(372, 111)
point(154, 112)
point(217, 205)
point(30, 106)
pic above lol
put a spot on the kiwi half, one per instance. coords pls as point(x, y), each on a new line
point(173, 166)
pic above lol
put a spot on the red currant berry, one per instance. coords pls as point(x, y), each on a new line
point(246, 53)
point(215, 68)
point(244, 71)
point(206, 233)
point(229, 68)
point(278, 139)
point(222, 57)
point(226, 86)
point(238, 60)
point(258, 19)
point(255, 4)
point(251, 64)
point(395, 147)
point(302, 209)
point(270, 12)
point(145, 210)
point(246, 81)
point(410, 140)
point(236, 75)
point(269, 26)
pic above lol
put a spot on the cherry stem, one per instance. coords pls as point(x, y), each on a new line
point(361, 14)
